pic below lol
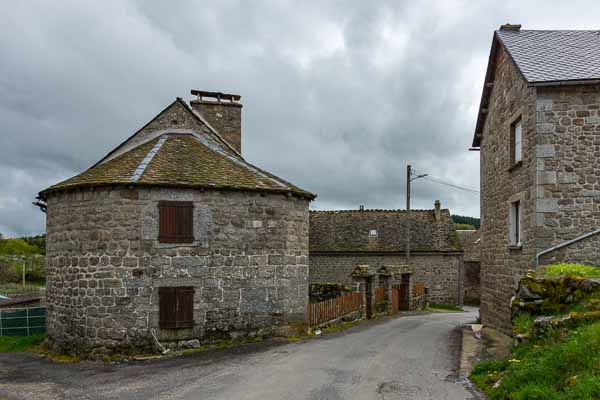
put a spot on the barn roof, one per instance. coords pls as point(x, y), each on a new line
point(351, 231)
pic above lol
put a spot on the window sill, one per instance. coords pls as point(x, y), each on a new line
point(515, 166)
point(515, 247)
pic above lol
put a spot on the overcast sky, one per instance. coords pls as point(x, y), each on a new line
point(338, 96)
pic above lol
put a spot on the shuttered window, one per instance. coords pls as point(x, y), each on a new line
point(176, 307)
point(176, 221)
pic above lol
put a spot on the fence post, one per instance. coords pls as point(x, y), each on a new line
point(27, 320)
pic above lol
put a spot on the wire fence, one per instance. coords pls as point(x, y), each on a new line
point(22, 321)
point(15, 289)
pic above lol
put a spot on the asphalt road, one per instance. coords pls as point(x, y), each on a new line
point(407, 357)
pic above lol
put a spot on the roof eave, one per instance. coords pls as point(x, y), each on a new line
point(300, 194)
point(567, 82)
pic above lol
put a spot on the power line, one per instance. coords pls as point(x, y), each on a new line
point(427, 177)
point(451, 185)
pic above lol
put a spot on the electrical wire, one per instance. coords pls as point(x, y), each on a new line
point(427, 177)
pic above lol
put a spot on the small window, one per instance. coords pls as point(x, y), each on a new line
point(516, 141)
point(515, 223)
point(176, 307)
point(373, 233)
point(176, 223)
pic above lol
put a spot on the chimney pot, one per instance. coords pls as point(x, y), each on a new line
point(438, 212)
point(224, 113)
point(510, 27)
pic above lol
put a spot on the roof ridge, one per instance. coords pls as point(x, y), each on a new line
point(377, 210)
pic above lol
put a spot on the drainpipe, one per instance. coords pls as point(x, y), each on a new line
point(564, 244)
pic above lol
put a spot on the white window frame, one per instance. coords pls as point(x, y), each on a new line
point(517, 140)
point(515, 223)
point(373, 233)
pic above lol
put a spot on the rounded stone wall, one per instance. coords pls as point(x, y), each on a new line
point(248, 266)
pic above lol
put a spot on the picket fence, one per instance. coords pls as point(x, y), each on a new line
point(329, 310)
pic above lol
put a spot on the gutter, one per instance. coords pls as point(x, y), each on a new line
point(564, 244)
point(565, 83)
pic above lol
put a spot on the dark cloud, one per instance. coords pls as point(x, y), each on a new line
point(338, 96)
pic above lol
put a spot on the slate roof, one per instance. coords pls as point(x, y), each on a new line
point(470, 241)
point(180, 158)
point(544, 58)
point(553, 56)
point(348, 231)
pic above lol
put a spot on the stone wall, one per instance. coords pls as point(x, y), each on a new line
point(440, 273)
point(568, 172)
point(248, 265)
point(501, 184)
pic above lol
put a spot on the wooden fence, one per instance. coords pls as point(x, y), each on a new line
point(331, 309)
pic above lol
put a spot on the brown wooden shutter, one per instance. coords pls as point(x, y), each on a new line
point(176, 221)
point(185, 307)
point(167, 303)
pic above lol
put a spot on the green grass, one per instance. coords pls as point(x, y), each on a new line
point(448, 307)
point(562, 366)
point(21, 343)
point(523, 323)
point(582, 270)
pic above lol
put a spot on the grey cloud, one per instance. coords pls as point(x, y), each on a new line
point(338, 96)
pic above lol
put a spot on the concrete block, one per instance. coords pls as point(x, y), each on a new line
point(546, 178)
point(546, 205)
point(545, 150)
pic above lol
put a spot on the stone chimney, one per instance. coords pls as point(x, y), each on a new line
point(510, 27)
point(438, 212)
point(222, 111)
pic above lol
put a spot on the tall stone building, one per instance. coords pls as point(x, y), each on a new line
point(342, 240)
point(538, 130)
point(174, 234)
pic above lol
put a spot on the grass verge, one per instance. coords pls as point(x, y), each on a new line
point(581, 270)
point(562, 365)
point(21, 343)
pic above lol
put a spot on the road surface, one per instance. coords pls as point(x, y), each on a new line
point(407, 357)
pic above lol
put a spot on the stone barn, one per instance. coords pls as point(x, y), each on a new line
point(342, 240)
point(174, 235)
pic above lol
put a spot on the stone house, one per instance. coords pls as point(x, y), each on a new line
point(174, 235)
point(342, 240)
point(470, 242)
point(538, 131)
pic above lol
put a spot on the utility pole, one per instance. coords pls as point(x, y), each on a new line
point(408, 176)
point(23, 272)
point(409, 179)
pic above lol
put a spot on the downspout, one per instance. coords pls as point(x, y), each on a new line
point(564, 244)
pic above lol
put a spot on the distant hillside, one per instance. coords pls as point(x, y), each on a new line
point(460, 219)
